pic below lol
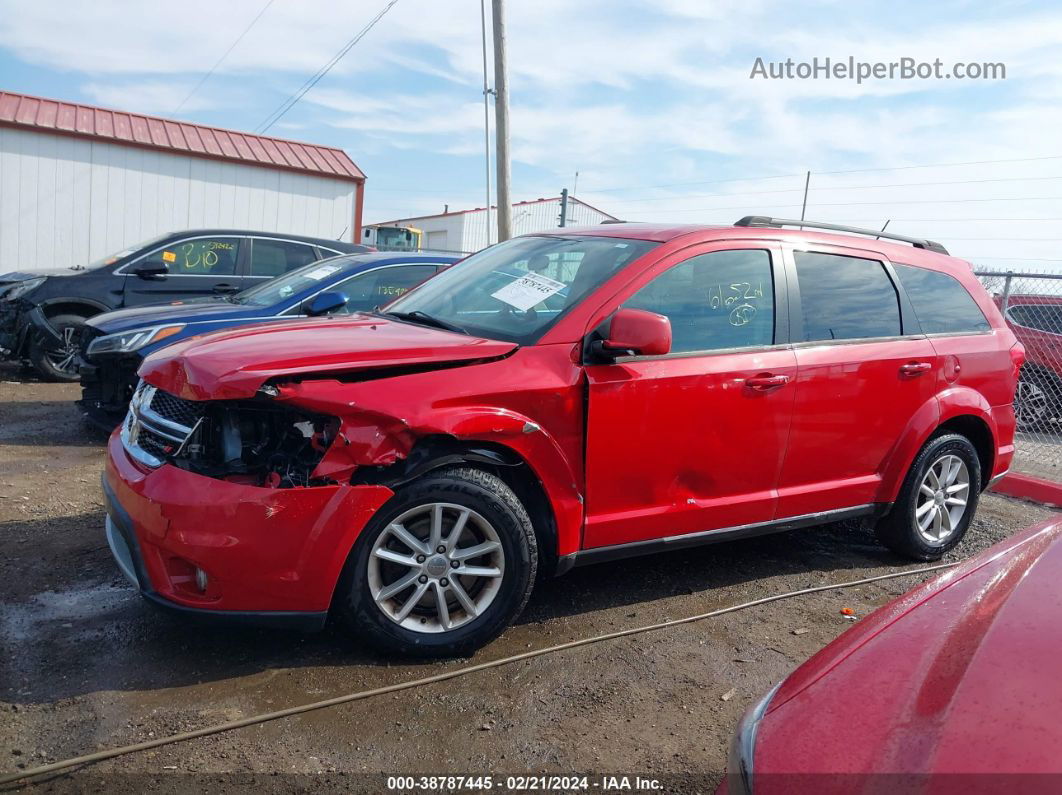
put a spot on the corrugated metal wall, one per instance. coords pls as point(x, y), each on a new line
point(67, 201)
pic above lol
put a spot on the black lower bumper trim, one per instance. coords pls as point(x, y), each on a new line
point(275, 619)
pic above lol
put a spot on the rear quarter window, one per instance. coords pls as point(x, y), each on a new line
point(940, 301)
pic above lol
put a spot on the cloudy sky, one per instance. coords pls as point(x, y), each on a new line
point(650, 102)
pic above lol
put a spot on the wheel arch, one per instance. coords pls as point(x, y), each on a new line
point(977, 430)
point(434, 452)
point(85, 307)
point(958, 410)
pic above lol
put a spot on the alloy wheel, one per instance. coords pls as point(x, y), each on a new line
point(64, 357)
point(436, 567)
point(1031, 404)
point(942, 498)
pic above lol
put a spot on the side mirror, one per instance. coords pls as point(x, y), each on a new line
point(150, 268)
point(323, 303)
point(637, 332)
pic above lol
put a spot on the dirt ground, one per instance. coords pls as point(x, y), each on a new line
point(87, 665)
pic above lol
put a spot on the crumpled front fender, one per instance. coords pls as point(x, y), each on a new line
point(370, 436)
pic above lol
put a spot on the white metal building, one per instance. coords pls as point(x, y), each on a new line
point(78, 183)
point(467, 230)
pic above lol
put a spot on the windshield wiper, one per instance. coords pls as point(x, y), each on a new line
point(426, 320)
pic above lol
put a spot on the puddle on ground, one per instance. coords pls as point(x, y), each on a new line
point(44, 611)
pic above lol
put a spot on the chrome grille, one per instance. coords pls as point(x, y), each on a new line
point(157, 424)
point(175, 409)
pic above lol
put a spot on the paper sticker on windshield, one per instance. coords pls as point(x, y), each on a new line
point(169, 256)
point(527, 291)
point(319, 273)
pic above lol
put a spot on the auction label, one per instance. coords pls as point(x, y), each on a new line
point(528, 290)
point(529, 783)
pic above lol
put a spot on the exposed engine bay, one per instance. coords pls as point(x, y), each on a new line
point(258, 444)
point(254, 442)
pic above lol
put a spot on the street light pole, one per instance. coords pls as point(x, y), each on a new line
point(501, 122)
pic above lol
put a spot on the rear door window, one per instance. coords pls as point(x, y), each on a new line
point(273, 257)
point(715, 301)
point(845, 298)
point(941, 303)
point(366, 291)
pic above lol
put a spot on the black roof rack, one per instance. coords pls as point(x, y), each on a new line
point(766, 220)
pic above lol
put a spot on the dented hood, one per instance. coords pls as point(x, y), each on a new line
point(234, 364)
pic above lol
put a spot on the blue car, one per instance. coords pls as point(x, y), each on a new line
point(113, 345)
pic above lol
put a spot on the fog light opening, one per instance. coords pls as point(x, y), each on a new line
point(201, 580)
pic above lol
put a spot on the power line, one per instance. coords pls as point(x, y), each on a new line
point(232, 46)
point(315, 78)
point(1010, 259)
point(701, 182)
point(849, 204)
point(945, 165)
point(831, 188)
point(946, 220)
point(821, 173)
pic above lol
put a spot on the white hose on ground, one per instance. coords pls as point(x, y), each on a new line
point(99, 756)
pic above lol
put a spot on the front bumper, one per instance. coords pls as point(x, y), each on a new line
point(12, 330)
point(273, 556)
point(107, 384)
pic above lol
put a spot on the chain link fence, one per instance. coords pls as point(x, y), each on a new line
point(1032, 305)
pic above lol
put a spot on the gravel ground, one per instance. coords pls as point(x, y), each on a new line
point(87, 665)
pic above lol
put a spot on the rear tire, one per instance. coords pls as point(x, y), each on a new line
point(60, 364)
point(927, 519)
point(1036, 400)
point(413, 583)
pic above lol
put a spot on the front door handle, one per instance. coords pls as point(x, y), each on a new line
point(225, 288)
point(766, 382)
point(915, 368)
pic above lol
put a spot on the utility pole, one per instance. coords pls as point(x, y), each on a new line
point(564, 207)
point(486, 111)
point(501, 122)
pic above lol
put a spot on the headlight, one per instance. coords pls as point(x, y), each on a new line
point(127, 341)
point(19, 289)
point(743, 747)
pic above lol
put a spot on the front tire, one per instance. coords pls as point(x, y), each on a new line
point(937, 501)
point(442, 568)
point(62, 363)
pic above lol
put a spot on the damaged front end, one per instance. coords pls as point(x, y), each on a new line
point(252, 442)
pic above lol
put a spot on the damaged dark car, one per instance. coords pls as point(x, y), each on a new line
point(42, 314)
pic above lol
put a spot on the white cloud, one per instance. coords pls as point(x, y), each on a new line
point(151, 96)
point(626, 93)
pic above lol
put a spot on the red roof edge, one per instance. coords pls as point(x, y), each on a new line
point(23, 111)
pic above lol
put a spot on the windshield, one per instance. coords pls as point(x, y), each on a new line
point(283, 287)
point(517, 289)
point(125, 252)
point(394, 238)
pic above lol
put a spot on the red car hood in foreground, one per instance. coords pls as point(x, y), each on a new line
point(960, 675)
point(234, 364)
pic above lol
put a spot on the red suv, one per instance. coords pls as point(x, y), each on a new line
point(1037, 323)
point(556, 400)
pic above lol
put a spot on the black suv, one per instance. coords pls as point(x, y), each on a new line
point(41, 314)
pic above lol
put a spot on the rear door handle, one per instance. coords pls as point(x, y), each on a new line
point(225, 288)
point(915, 368)
point(766, 382)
